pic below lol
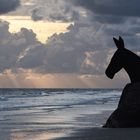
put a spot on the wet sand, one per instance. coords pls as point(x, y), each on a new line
point(104, 134)
point(81, 134)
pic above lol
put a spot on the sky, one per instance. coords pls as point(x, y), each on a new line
point(64, 43)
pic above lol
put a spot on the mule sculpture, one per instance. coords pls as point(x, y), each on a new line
point(128, 112)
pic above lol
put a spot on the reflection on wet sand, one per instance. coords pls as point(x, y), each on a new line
point(29, 135)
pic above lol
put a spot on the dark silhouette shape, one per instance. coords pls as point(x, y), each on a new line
point(128, 112)
point(124, 58)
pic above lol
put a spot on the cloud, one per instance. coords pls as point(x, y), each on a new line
point(29, 79)
point(111, 7)
point(71, 52)
point(14, 46)
point(35, 15)
point(107, 11)
point(101, 81)
point(63, 53)
point(84, 49)
point(8, 5)
point(110, 11)
point(54, 10)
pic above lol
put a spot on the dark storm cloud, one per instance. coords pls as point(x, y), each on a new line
point(110, 11)
point(8, 5)
point(111, 7)
point(109, 19)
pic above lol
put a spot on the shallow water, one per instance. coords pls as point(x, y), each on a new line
point(41, 114)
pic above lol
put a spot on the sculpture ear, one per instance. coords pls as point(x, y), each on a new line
point(121, 42)
point(116, 42)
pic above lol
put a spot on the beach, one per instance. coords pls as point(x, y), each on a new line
point(104, 134)
point(69, 133)
point(45, 114)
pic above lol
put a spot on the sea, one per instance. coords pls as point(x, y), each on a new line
point(43, 114)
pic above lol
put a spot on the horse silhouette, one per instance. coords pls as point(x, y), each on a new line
point(127, 113)
point(124, 58)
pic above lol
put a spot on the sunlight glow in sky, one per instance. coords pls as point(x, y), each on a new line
point(43, 29)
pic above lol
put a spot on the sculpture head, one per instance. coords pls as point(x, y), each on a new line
point(116, 63)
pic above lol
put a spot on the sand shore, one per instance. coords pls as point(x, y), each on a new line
point(105, 134)
point(83, 134)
